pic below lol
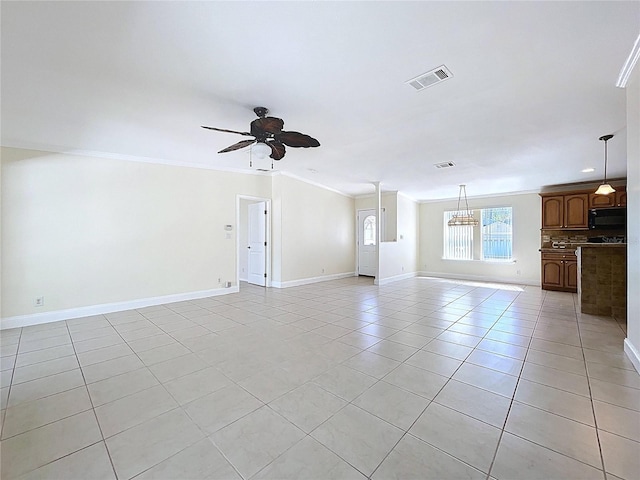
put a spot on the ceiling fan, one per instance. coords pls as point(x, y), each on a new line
point(268, 130)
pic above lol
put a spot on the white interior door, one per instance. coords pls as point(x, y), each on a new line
point(367, 242)
point(257, 248)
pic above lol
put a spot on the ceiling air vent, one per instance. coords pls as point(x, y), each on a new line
point(428, 79)
point(444, 165)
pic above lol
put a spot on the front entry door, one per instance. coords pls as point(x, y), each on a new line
point(257, 248)
point(367, 240)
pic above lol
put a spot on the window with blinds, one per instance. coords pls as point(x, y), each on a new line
point(495, 234)
point(458, 241)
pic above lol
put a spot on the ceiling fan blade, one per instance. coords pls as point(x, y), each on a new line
point(277, 150)
point(297, 139)
point(237, 146)
point(270, 125)
point(246, 134)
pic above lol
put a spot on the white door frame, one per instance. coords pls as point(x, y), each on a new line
point(242, 251)
point(379, 225)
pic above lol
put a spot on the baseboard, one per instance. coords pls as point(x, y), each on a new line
point(395, 278)
point(307, 281)
point(632, 353)
point(480, 278)
point(57, 315)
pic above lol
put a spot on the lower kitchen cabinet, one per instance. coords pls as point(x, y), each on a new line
point(560, 271)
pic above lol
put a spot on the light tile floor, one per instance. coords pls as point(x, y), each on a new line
point(423, 378)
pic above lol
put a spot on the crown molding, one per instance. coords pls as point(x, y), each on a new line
point(158, 161)
point(492, 195)
point(629, 65)
point(125, 158)
point(311, 182)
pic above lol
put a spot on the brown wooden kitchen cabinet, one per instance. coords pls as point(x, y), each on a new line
point(602, 201)
point(553, 212)
point(570, 212)
point(617, 199)
point(560, 271)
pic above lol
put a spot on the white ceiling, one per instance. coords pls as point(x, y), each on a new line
point(533, 86)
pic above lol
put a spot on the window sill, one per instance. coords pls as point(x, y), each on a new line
point(501, 262)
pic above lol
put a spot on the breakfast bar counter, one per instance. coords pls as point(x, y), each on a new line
point(602, 279)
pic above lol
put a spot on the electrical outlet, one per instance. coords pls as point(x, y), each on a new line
point(323, 270)
point(219, 280)
point(39, 301)
point(518, 272)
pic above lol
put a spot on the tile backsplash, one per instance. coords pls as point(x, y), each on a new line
point(566, 239)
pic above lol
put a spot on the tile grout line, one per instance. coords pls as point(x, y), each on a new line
point(93, 409)
point(593, 409)
point(513, 397)
point(4, 411)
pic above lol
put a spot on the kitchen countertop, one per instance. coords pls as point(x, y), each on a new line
point(575, 246)
point(571, 250)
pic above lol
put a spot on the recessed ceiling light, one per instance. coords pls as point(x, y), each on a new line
point(588, 170)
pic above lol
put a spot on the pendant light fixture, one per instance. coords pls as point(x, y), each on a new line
point(605, 188)
point(463, 217)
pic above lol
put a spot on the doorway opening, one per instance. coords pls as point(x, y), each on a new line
point(253, 241)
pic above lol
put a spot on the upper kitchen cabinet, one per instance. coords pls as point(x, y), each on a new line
point(602, 201)
point(553, 212)
point(568, 211)
point(617, 199)
point(576, 211)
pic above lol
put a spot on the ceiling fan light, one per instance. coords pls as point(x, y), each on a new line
point(260, 150)
point(605, 189)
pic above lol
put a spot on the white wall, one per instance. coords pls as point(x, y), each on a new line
point(400, 258)
point(85, 231)
point(632, 343)
point(314, 234)
point(526, 241)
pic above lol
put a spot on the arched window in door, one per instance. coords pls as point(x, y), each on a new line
point(369, 228)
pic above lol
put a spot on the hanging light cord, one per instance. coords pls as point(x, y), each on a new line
point(463, 190)
point(466, 202)
point(605, 160)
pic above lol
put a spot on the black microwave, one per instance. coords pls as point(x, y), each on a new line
point(608, 218)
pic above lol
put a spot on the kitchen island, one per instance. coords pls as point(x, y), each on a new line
point(602, 279)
